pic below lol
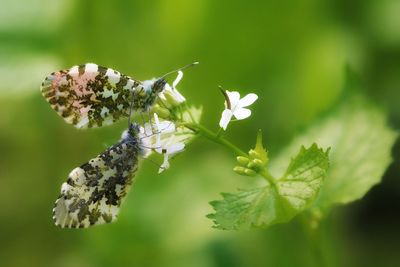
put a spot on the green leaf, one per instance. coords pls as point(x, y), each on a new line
point(303, 178)
point(294, 192)
point(245, 209)
point(361, 145)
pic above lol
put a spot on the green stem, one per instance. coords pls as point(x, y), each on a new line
point(264, 173)
point(215, 137)
point(219, 133)
point(315, 238)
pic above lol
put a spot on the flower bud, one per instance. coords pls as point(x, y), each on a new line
point(250, 172)
point(171, 99)
point(243, 160)
point(255, 164)
point(239, 170)
point(244, 171)
point(254, 154)
point(161, 111)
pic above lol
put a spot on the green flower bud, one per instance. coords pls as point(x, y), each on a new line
point(258, 163)
point(251, 165)
point(161, 112)
point(240, 170)
point(250, 172)
point(171, 99)
point(255, 164)
point(244, 171)
point(254, 154)
point(243, 160)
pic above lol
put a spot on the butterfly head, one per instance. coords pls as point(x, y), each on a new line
point(158, 85)
point(133, 130)
point(131, 135)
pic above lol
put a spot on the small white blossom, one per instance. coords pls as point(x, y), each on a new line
point(235, 107)
point(170, 95)
point(162, 128)
point(164, 138)
point(169, 148)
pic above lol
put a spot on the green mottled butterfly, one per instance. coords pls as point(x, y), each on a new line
point(94, 191)
point(93, 96)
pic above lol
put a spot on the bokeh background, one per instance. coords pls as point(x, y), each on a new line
point(291, 53)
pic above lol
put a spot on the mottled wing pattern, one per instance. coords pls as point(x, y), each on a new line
point(89, 95)
point(94, 191)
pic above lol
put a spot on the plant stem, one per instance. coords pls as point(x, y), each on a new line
point(314, 235)
point(271, 180)
point(219, 133)
point(215, 137)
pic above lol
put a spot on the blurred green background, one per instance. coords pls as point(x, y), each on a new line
point(291, 53)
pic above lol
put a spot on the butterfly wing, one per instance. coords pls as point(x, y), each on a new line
point(89, 95)
point(94, 191)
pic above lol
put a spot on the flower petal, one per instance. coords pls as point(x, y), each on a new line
point(175, 148)
point(178, 96)
point(178, 79)
point(234, 98)
point(146, 142)
point(166, 127)
point(225, 118)
point(171, 96)
point(247, 100)
point(156, 120)
point(148, 129)
point(165, 164)
point(158, 132)
point(242, 113)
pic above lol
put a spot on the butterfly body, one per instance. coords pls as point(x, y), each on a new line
point(95, 191)
point(89, 95)
point(144, 98)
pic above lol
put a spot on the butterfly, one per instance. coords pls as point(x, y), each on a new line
point(94, 192)
point(90, 95)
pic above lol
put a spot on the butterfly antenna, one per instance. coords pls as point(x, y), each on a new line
point(184, 67)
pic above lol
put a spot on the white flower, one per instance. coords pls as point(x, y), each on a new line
point(169, 148)
point(162, 128)
point(162, 137)
point(170, 95)
point(234, 106)
point(152, 133)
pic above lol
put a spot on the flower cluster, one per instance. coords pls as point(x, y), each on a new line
point(255, 161)
point(163, 137)
point(173, 123)
point(162, 134)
